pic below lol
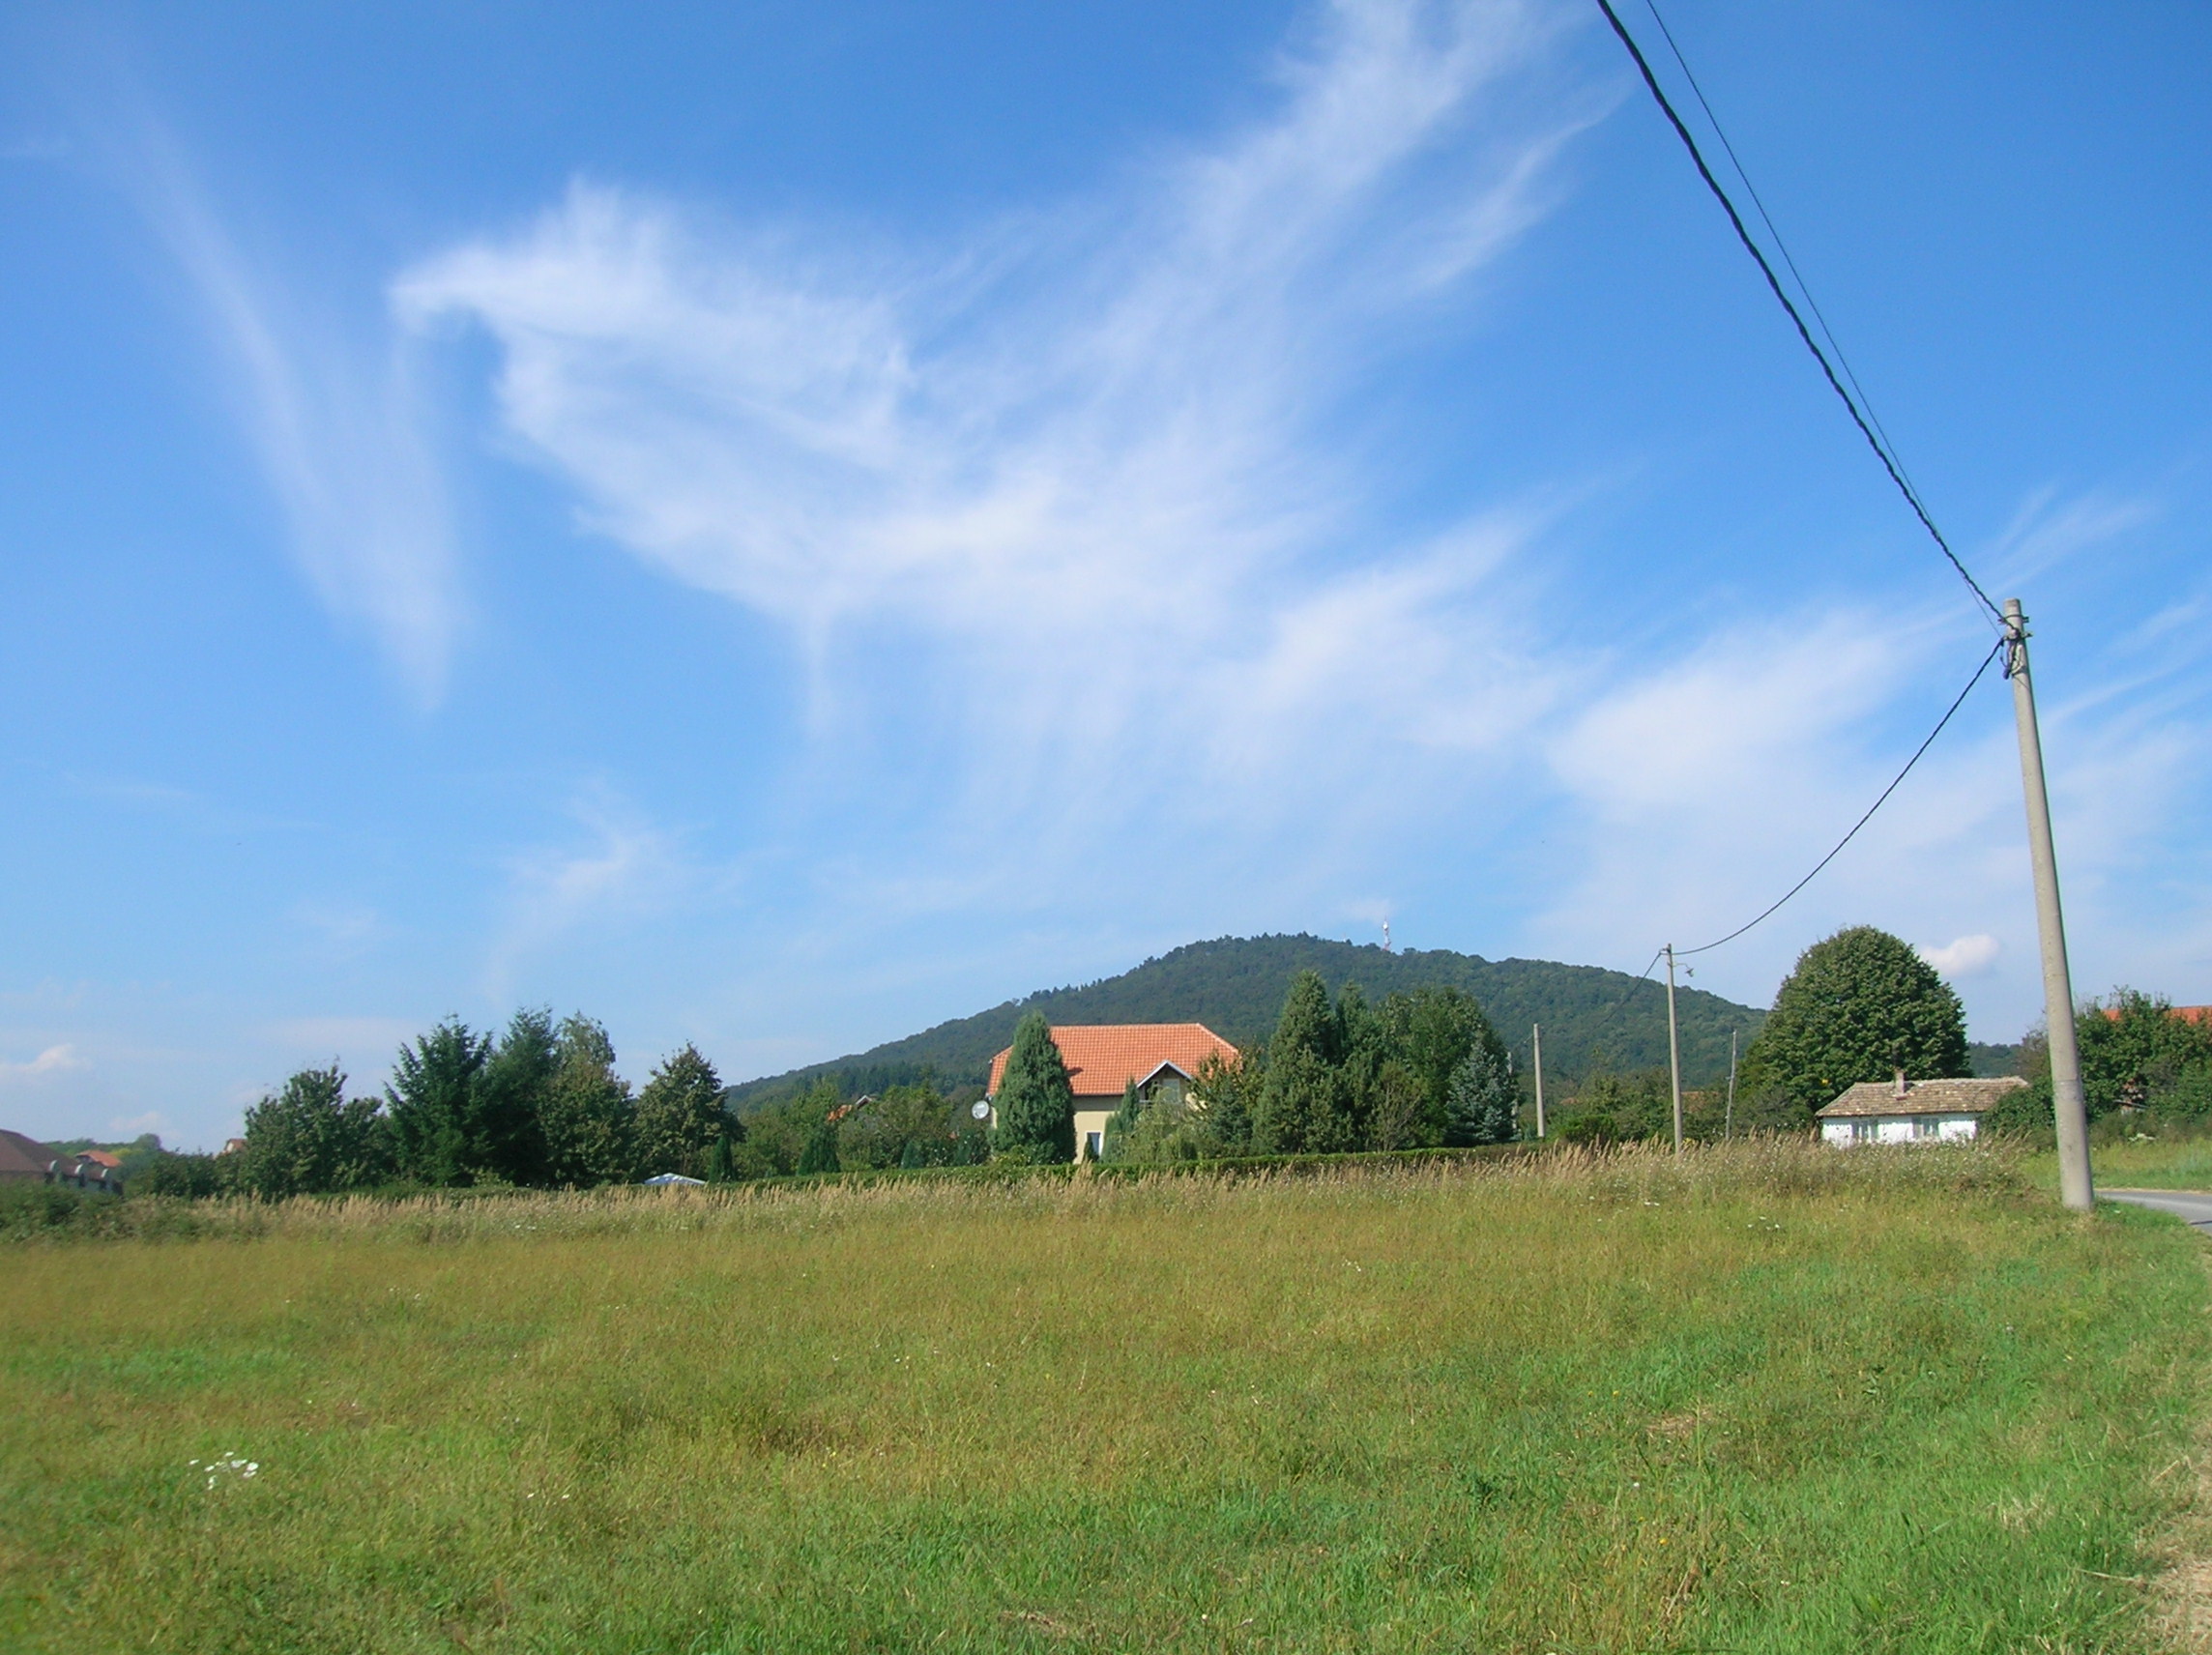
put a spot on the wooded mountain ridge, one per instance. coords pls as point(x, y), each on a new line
point(1593, 1019)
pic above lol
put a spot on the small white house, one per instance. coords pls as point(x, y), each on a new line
point(1912, 1112)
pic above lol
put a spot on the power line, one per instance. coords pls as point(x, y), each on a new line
point(1782, 297)
point(1804, 287)
point(1995, 650)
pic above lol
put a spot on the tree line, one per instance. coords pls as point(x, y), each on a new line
point(1419, 1070)
point(1857, 1006)
point(540, 1106)
point(1860, 1005)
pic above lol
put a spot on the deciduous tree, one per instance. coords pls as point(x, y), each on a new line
point(1858, 1007)
point(309, 1138)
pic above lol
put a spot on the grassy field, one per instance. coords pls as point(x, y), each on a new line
point(2145, 1163)
point(1774, 1399)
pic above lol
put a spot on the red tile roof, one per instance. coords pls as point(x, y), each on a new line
point(2187, 1013)
point(1103, 1057)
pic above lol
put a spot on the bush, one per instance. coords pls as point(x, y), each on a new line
point(191, 1178)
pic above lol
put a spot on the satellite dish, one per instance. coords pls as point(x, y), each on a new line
point(981, 1109)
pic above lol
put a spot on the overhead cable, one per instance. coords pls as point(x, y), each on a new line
point(1997, 649)
point(1859, 417)
point(1774, 230)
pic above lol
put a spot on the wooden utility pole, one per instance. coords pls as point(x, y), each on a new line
point(1537, 1041)
point(1674, 1050)
point(2076, 1187)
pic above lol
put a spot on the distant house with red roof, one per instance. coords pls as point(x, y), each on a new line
point(26, 1160)
point(1103, 1059)
point(2196, 1014)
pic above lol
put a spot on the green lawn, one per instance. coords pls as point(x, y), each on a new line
point(1775, 1399)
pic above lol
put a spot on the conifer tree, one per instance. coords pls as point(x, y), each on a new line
point(431, 1103)
point(1036, 1099)
point(1300, 1106)
point(1481, 1102)
point(590, 1121)
point(507, 1124)
point(680, 1115)
point(1227, 1088)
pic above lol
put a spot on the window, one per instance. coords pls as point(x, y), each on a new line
point(1094, 1146)
point(1927, 1127)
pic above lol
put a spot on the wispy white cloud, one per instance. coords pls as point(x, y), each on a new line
point(1067, 487)
point(2049, 528)
point(1068, 508)
point(53, 1061)
point(625, 868)
point(329, 406)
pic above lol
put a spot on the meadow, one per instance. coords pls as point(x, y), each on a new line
point(2168, 1157)
point(1768, 1398)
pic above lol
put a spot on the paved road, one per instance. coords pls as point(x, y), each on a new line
point(2190, 1206)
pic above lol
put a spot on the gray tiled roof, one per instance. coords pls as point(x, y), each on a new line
point(23, 1157)
point(1922, 1097)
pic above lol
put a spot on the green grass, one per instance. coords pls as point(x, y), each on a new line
point(2164, 1162)
point(1775, 1399)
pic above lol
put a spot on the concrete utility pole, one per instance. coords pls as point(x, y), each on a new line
point(2076, 1188)
point(1536, 1040)
point(1674, 1050)
point(1728, 1120)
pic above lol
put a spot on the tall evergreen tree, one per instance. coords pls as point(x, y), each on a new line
point(1433, 1031)
point(508, 1127)
point(1858, 1007)
point(308, 1139)
point(1301, 1104)
point(1036, 1098)
point(589, 1118)
point(1482, 1101)
point(680, 1115)
point(431, 1103)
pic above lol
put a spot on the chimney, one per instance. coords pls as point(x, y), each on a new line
point(1904, 1086)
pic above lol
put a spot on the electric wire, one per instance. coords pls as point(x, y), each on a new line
point(1996, 649)
point(1804, 287)
point(1782, 297)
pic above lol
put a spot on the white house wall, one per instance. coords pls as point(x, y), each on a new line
point(1899, 1129)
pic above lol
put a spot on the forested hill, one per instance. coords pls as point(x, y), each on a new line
point(1235, 985)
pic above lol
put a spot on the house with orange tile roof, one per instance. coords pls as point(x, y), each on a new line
point(1105, 1059)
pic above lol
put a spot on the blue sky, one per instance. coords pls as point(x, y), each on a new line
point(776, 525)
